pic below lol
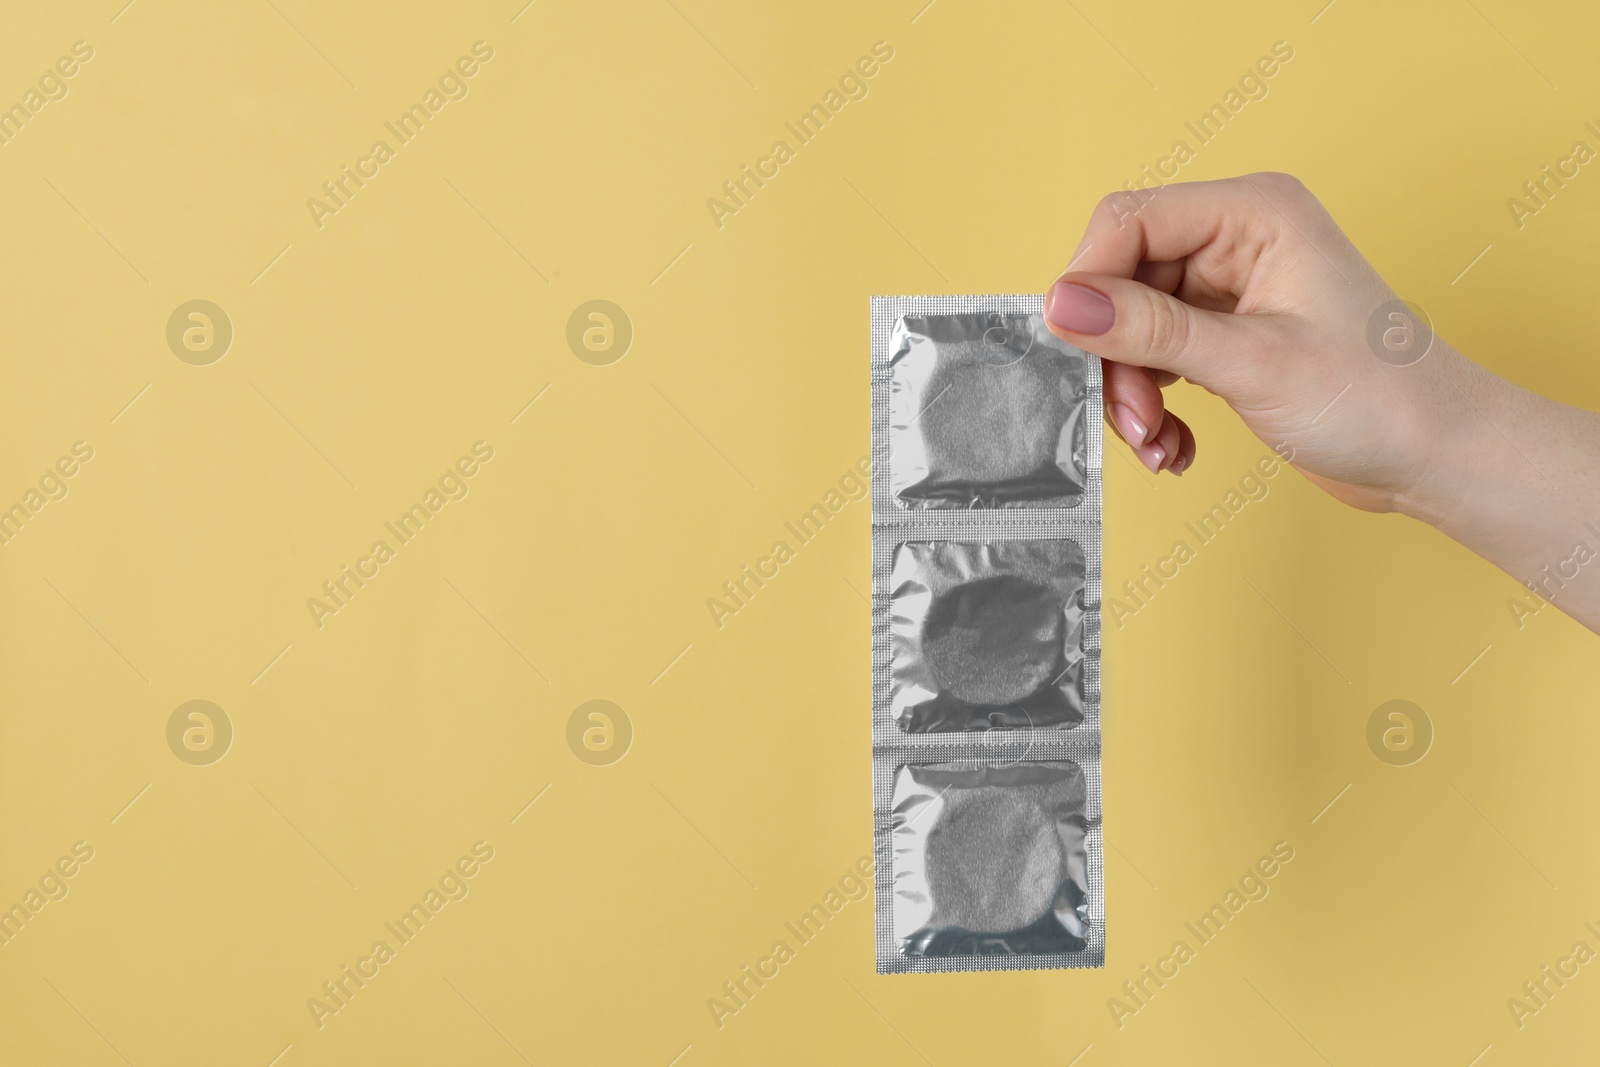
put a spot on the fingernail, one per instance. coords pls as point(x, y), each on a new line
point(1133, 431)
point(1179, 465)
point(1152, 457)
point(1079, 308)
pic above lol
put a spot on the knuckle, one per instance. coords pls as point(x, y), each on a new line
point(1285, 185)
point(1167, 330)
point(1113, 208)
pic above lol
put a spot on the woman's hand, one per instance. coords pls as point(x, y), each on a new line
point(1249, 289)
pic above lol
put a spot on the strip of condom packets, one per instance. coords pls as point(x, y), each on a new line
point(986, 590)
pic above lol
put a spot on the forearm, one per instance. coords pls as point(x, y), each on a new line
point(1516, 480)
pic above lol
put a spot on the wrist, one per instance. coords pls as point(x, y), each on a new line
point(1488, 481)
point(1458, 462)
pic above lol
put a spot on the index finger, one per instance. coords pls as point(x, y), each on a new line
point(1231, 221)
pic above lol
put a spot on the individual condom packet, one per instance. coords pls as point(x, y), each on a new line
point(986, 552)
point(987, 634)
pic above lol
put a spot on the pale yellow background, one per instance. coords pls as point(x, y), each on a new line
point(374, 751)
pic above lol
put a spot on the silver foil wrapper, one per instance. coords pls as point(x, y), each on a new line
point(990, 860)
point(986, 409)
point(987, 635)
point(986, 585)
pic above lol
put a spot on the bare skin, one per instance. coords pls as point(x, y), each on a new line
point(1247, 288)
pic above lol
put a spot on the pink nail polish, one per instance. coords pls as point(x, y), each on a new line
point(1153, 456)
point(1133, 431)
point(1079, 308)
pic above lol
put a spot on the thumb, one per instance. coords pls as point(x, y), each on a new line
point(1129, 322)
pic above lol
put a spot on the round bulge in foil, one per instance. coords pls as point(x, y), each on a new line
point(994, 641)
point(987, 635)
point(986, 410)
point(990, 860)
